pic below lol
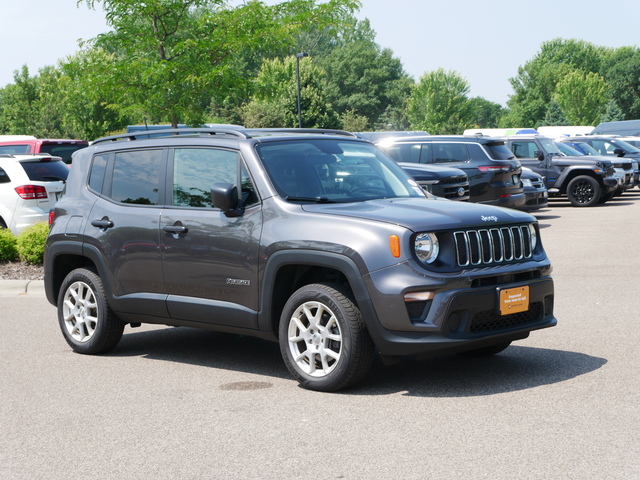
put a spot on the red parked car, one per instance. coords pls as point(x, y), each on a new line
point(21, 144)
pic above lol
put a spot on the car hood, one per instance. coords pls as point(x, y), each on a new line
point(419, 214)
point(589, 160)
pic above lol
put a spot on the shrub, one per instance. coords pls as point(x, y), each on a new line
point(30, 242)
point(8, 249)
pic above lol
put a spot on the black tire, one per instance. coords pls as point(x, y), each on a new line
point(605, 197)
point(87, 322)
point(584, 191)
point(323, 339)
point(486, 351)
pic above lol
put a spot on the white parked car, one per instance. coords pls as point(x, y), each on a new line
point(29, 187)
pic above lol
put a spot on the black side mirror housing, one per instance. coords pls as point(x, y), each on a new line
point(225, 197)
point(619, 152)
point(539, 154)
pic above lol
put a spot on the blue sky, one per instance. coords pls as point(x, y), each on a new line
point(485, 42)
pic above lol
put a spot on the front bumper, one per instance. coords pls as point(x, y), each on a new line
point(463, 317)
point(511, 201)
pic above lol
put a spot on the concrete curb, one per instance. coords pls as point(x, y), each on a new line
point(11, 288)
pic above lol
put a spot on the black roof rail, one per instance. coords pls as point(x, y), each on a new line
point(203, 132)
point(322, 131)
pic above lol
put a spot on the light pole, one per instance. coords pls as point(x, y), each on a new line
point(298, 57)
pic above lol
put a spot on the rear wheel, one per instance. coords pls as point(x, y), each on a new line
point(87, 322)
point(323, 339)
point(584, 191)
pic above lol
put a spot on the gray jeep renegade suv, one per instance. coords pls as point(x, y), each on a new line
point(318, 241)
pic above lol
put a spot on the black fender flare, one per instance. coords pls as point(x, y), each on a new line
point(345, 265)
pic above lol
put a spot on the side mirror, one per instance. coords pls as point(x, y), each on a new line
point(619, 152)
point(539, 154)
point(225, 197)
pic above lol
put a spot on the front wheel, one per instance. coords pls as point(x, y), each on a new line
point(323, 339)
point(87, 322)
point(584, 191)
point(605, 197)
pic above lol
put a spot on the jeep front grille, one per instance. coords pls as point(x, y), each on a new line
point(493, 245)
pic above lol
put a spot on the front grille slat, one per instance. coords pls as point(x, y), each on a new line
point(491, 246)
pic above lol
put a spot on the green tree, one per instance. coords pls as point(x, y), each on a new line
point(536, 83)
point(167, 58)
point(485, 114)
point(555, 116)
point(275, 99)
point(439, 103)
point(612, 113)
point(582, 97)
point(622, 73)
point(362, 77)
point(19, 104)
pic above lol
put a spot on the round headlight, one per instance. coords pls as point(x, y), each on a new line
point(427, 247)
point(534, 237)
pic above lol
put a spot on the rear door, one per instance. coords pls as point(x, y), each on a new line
point(123, 227)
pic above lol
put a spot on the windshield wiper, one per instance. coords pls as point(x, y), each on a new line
point(317, 199)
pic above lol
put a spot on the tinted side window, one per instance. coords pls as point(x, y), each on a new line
point(4, 178)
point(450, 152)
point(196, 169)
point(523, 149)
point(404, 152)
point(602, 147)
point(136, 177)
point(98, 168)
point(14, 148)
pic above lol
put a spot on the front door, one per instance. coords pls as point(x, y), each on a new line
point(210, 261)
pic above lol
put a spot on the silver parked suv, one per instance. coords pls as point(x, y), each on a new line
point(318, 241)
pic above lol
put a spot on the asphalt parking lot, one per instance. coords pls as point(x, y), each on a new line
point(173, 403)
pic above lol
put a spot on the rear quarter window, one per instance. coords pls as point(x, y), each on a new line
point(499, 151)
point(4, 178)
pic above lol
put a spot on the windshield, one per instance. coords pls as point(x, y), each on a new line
point(63, 150)
point(549, 146)
point(330, 170)
point(627, 147)
point(587, 149)
point(569, 150)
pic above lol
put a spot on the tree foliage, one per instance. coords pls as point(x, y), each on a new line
point(365, 79)
point(583, 78)
point(275, 97)
point(484, 113)
point(167, 58)
point(439, 103)
point(582, 97)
